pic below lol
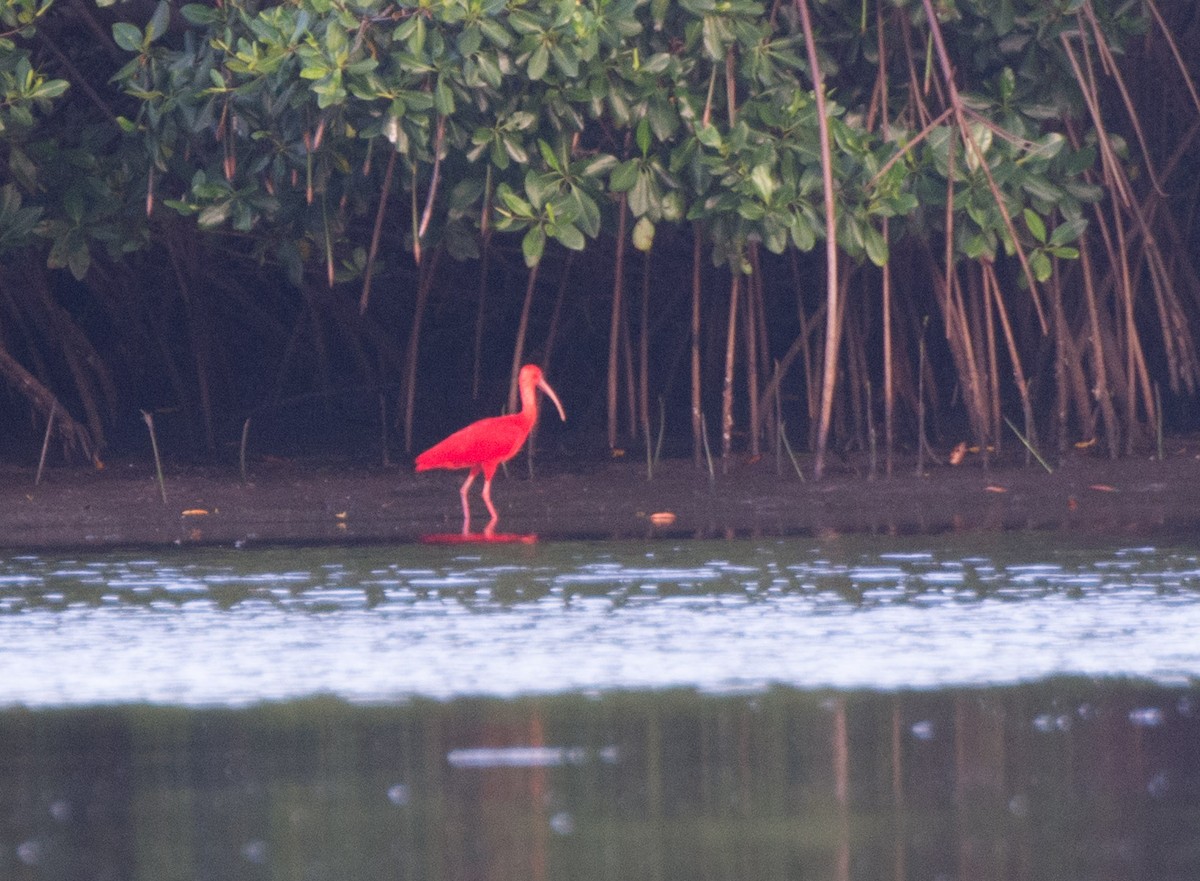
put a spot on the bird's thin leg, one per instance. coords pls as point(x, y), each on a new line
point(487, 498)
point(466, 506)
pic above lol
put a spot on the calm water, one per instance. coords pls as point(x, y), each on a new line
point(985, 707)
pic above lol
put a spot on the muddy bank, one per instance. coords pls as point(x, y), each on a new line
point(314, 501)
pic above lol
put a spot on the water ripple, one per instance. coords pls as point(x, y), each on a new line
point(375, 624)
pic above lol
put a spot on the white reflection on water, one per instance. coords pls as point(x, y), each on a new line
point(370, 624)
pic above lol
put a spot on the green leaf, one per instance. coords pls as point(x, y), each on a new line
point(213, 215)
point(1068, 232)
point(643, 234)
point(751, 210)
point(1036, 226)
point(875, 244)
point(1008, 80)
point(495, 32)
point(1003, 18)
point(159, 21)
point(465, 194)
point(1083, 191)
point(79, 259)
point(656, 64)
point(663, 117)
point(128, 36)
point(715, 33)
point(1041, 265)
point(443, 98)
point(533, 245)
point(566, 58)
point(1040, 188)
point(775, 234)
point(803, 233)
point(183, 208)
point(540, 188)
point(764, 181)
point(981, 142)
point(524, 22)
point(49, 89)
point(469, 41)
point(1048, 146)
point(644, 196)
point(588, 212)
point(515, 204)
point(515, 150)
point(549, 156)
point(567, 235)
point(709, 136)
point(977, 245)
point(200, 14)
point(673, 206)
point(599, 164)
point(624, 176)
point(539, 61)
point(643, 136)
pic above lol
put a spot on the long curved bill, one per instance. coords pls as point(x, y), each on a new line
point(545, 386)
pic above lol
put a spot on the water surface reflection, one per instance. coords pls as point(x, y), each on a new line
point(1063, 780)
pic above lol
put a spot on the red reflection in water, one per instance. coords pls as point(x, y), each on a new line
point(455, 538)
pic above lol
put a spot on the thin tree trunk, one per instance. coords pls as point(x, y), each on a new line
point(889, 378)
point(993, 363)
point(377, 232)
point(199, 332)
point(644, 353)
point(889, 386)
point(750, 325)
point(991, 288)
point(614, 326)
point(1103, 390)
point(833, 309)
point(735, 283)
point(972, 148)
point(628, 362)
point(697, 411)
point(522, 330)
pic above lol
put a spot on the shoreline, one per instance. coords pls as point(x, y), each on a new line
point(290, 502)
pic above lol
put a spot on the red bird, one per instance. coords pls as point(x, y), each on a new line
point(483, 445)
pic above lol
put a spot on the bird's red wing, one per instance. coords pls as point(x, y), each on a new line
point(488, 440)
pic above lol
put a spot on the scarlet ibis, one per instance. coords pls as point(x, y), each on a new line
point(483, 445)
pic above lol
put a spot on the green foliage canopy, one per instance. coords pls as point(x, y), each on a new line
point(272, 123)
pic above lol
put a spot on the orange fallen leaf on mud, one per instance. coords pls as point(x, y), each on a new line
point(1103, 488)
point(992, 488)
point(1083, 445)
point(1072, 505)
point(340, 515)
point(662, 518)
point(958, 453)
point(617, 452)
point(195, 512)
